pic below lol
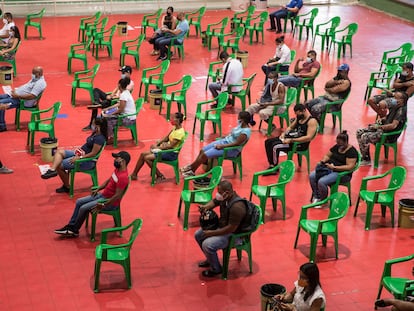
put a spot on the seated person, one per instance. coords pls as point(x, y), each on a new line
point(171, 141)
point(273, 94)
point(27, 92)
point(63, 160)
point(162, 43)
point(307, 295)
point(8, 23)
point(126, 105)
point(301, 130)
point(104, 100)
point(168, 21)
point(393, 121)
point(292, 7)
point(308, 69)
point(341, 157)
point(404, 83)
point(113, 190)
point(282, 56)
point(335, 89)
point(238, 137)
point(7, 51)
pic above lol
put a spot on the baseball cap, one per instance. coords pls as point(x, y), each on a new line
point(343, 67)
point(123, 155)
point(126, 69)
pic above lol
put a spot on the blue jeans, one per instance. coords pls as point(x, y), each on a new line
point(290, 81)
point(83, 207)
point(276, 16)
point(320, 187)
point(5, 99)
point(210, 246)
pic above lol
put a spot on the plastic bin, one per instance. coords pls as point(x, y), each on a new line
point(243, 57)
point(6, 75)
point(155, 98)
point(267, 292)
point(122, 28)
point(406, 213)
point(48, 148)
point(261, 5)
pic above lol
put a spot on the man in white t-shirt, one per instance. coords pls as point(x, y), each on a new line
point(8, 23)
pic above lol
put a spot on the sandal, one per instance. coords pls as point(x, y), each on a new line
point(160, 178)
point(185, 168)
point(133, 177)
point(154, 52)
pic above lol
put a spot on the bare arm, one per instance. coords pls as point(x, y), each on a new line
point(312, 126)
point(310, 74)
point(340, 86)
point(399, 304)
point(239, 141)
point(350, 164)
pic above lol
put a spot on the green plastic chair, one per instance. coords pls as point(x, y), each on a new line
point(335, 109)
point(236, 161)
point(178, 49)
point(387, 145)
point(34, 20)
point(397, 286)
point(230, 40)
point(301, 153)
point(325, 31)
point(380, 80)
point(255, 25)
point(79, 51)
point(305, 21)
point(150, 20)
point(286, 73)
point(84, 80)
point(93, 30)
point(12, 61)
point(131, 47)
point(214, 71)
point(116, 214)
point(201, 195)
point(290, 17)
point(338, 208)
point(243, 93)
point(179, 95)
point(103, 39)
point(384, 197)
point(307, 84)
point(132, 127)
point(119, 254)
point(41, 123)
point(343, 39)
point(173, 163)
point(213, 114)
point(154, 76)
point(93, 172)
point(284, 116)
point(390, 57)
point(194, 18)
point(84, 22)
point(240, 242)
point(240, 18)
point(335, 186)
point(275, 190)
point(215, 30)
point(23, 108)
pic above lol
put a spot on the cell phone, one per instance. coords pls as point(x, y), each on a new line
point(380, 303)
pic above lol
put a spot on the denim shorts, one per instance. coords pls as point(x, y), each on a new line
point(67, 165)
point(168, 156)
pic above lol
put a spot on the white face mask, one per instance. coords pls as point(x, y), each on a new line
point(219, 197)
point(4, 21)
point(308, 59)
point(404, 73)
point(34, 77)
point(123, 75)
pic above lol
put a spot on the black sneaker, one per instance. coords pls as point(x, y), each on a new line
point(62, 189)
point(63, 230)
point(49, 174)
point(72, 232)
point(252, 122)
point(87, 128)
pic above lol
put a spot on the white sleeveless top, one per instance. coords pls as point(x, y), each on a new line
point(302, 305)
point(275, 93)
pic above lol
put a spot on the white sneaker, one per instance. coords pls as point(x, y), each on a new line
point(365, 163)
point(5, 170)
point(315, 200)
point(188, 173)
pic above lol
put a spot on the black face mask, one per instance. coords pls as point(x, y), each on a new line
point(169, 13)
point(117, 164)
point(301, 117)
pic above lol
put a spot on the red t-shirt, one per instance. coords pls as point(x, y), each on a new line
point(307, 67)
point(119, 180)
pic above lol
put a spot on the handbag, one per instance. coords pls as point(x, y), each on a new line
point(209, 220)
point(321, 170)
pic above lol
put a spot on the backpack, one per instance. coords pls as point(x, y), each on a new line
point(252, 217)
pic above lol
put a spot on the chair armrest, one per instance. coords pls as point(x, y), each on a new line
point(105, 232)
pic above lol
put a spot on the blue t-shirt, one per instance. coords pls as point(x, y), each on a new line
point(183, 26)
point(295, 4)
point(235, 133)
point(91, 140)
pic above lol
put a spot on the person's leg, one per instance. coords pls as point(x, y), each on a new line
point(272, 17)
point(98, 95)
point(139, 164)
point(111, 122)
point(314, 185)
point(269, 143)
point(324, 182)
point(164, 46)
point(14, 103)
point(278, 15)
point(210, 246)
point(290, 81)
point(277, 149)
point(83, 210)
point(58, 158)
point(252, 109)
point(266, 113)
point(365, 138)
point(214, 88)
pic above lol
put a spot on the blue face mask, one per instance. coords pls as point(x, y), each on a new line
point(239, 122)
point(392, 103)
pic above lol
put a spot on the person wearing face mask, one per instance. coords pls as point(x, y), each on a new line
point(171, 141)
point(8, 49)
point(393, 121)
point(282, 56)
point(63, 160)
point(8, 23)
point(404, 83)
point(27, 92)
point(301, 130)
point(335, 89)
point(126, 105)
point(303, 69)
point(104, 100)
point(238, 137)
point(168, 21)
point(232, 216)
point(307, 295)
point(112, 190)
point(341, 157)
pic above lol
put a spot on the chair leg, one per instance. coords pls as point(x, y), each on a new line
point(356, 206)
point(97, 273)
point(226, 259)
point(370, 207)
point(186, 213)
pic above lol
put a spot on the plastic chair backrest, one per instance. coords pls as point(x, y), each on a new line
point(286, 171)
point(222, 99)
point(290, 96)
point(339, 205)
point(352, 29)
point(398, 175)
point(187, 81)
point(335, 21)
point(292, 55)
point(249, 81)
point(216, 173)
point(138, 104)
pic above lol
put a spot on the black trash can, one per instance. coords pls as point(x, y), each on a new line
point(122, 28)
point(48, 148)
point(267, 292)
point(155, 98)
point(406, 213)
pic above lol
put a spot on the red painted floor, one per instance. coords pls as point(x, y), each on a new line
point(39, 271)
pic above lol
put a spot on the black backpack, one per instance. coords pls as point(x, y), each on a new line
point(252, 217)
